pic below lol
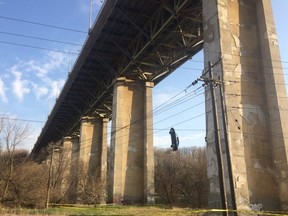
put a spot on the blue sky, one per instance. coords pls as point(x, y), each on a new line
point(32, 72)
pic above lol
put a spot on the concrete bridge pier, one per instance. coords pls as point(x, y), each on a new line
point(240, 35)
point(131, 172)
point(69, 155)
point(92, 163)
point(66, 155)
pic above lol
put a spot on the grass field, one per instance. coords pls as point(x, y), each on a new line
point(127, 210)
point(104, 210)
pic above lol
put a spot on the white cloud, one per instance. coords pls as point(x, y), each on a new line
point(3, 91)
point(159, 99)
point(43, 77)
point(52, 62)
point(19, 86)
point(34, 66)
point(162, 141)
point(195, 139)
point(40, 91)
point(29, 142)
point(56, 87)
point(185, 140)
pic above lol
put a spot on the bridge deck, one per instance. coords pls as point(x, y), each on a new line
point(144, 40)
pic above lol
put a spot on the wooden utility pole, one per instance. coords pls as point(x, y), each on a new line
point(229, 164)
point(218, 144)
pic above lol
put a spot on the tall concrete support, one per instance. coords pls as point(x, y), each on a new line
point(69, 157)
point(66, 155)
point(93, 154)
point(131, 174)
point(240, 35)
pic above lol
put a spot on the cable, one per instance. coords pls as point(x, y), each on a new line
point(23, 120)
point(168, 127)
point(141, 136)
point(243, 56)
point(248, 95)
point(236, 72)
point(176, 103)
point(39, 38)
point(42, 24)
point(153, 132)
point(180, 112)
point(36, 47)
point(126, 127)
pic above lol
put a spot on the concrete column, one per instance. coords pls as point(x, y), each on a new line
point(66, 159)
point(93, 154)
point(241, 34)
point(149, 190)
point(276, 97)
point(103, 156)
point(131, 172)
point(69, 159)
point(75, 141)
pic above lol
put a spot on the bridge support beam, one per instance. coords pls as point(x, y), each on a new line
point(92, 170)
point(131, 172)
point(241, 34)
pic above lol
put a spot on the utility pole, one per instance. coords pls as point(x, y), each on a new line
point(49, 177)
point(211, 82)
point(229, 165)
point(218, 144)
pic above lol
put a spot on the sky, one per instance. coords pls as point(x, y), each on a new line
point(36, 57)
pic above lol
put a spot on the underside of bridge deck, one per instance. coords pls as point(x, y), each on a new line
point(144, 40)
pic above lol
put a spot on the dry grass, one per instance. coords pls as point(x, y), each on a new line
point(103, 210)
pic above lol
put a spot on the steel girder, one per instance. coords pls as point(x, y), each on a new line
point(144, 40)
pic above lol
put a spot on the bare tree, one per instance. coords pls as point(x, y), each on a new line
point(60, 175)
point(12, 134)
point(90, 188)
point(28, 186)
point(181, 177)
point(167, 169)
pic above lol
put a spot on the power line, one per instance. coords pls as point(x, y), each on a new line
point(23, 120)
point(248, 57)
point(40, 38)
point(113, 130)
point(236, 72)
point(157, 130)
point(36, 47)
point(42, 24)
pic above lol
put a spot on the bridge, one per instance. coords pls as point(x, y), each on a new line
point(134, 45)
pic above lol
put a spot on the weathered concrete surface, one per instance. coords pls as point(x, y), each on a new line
point(92, 164)
point(70, 157)
point(66, 155)
point(131, 172)
point(242, 34)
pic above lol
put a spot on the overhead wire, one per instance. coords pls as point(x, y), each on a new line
point(121, 128)
point(176, 124)
point(37, 47)
point(43, 24)
point(179, 123)
point(132, 123)
point(40, 38)
point(156, 111)
point(2, 116)
point(65, 29)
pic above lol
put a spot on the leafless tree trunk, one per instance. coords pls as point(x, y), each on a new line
point(12, 133)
